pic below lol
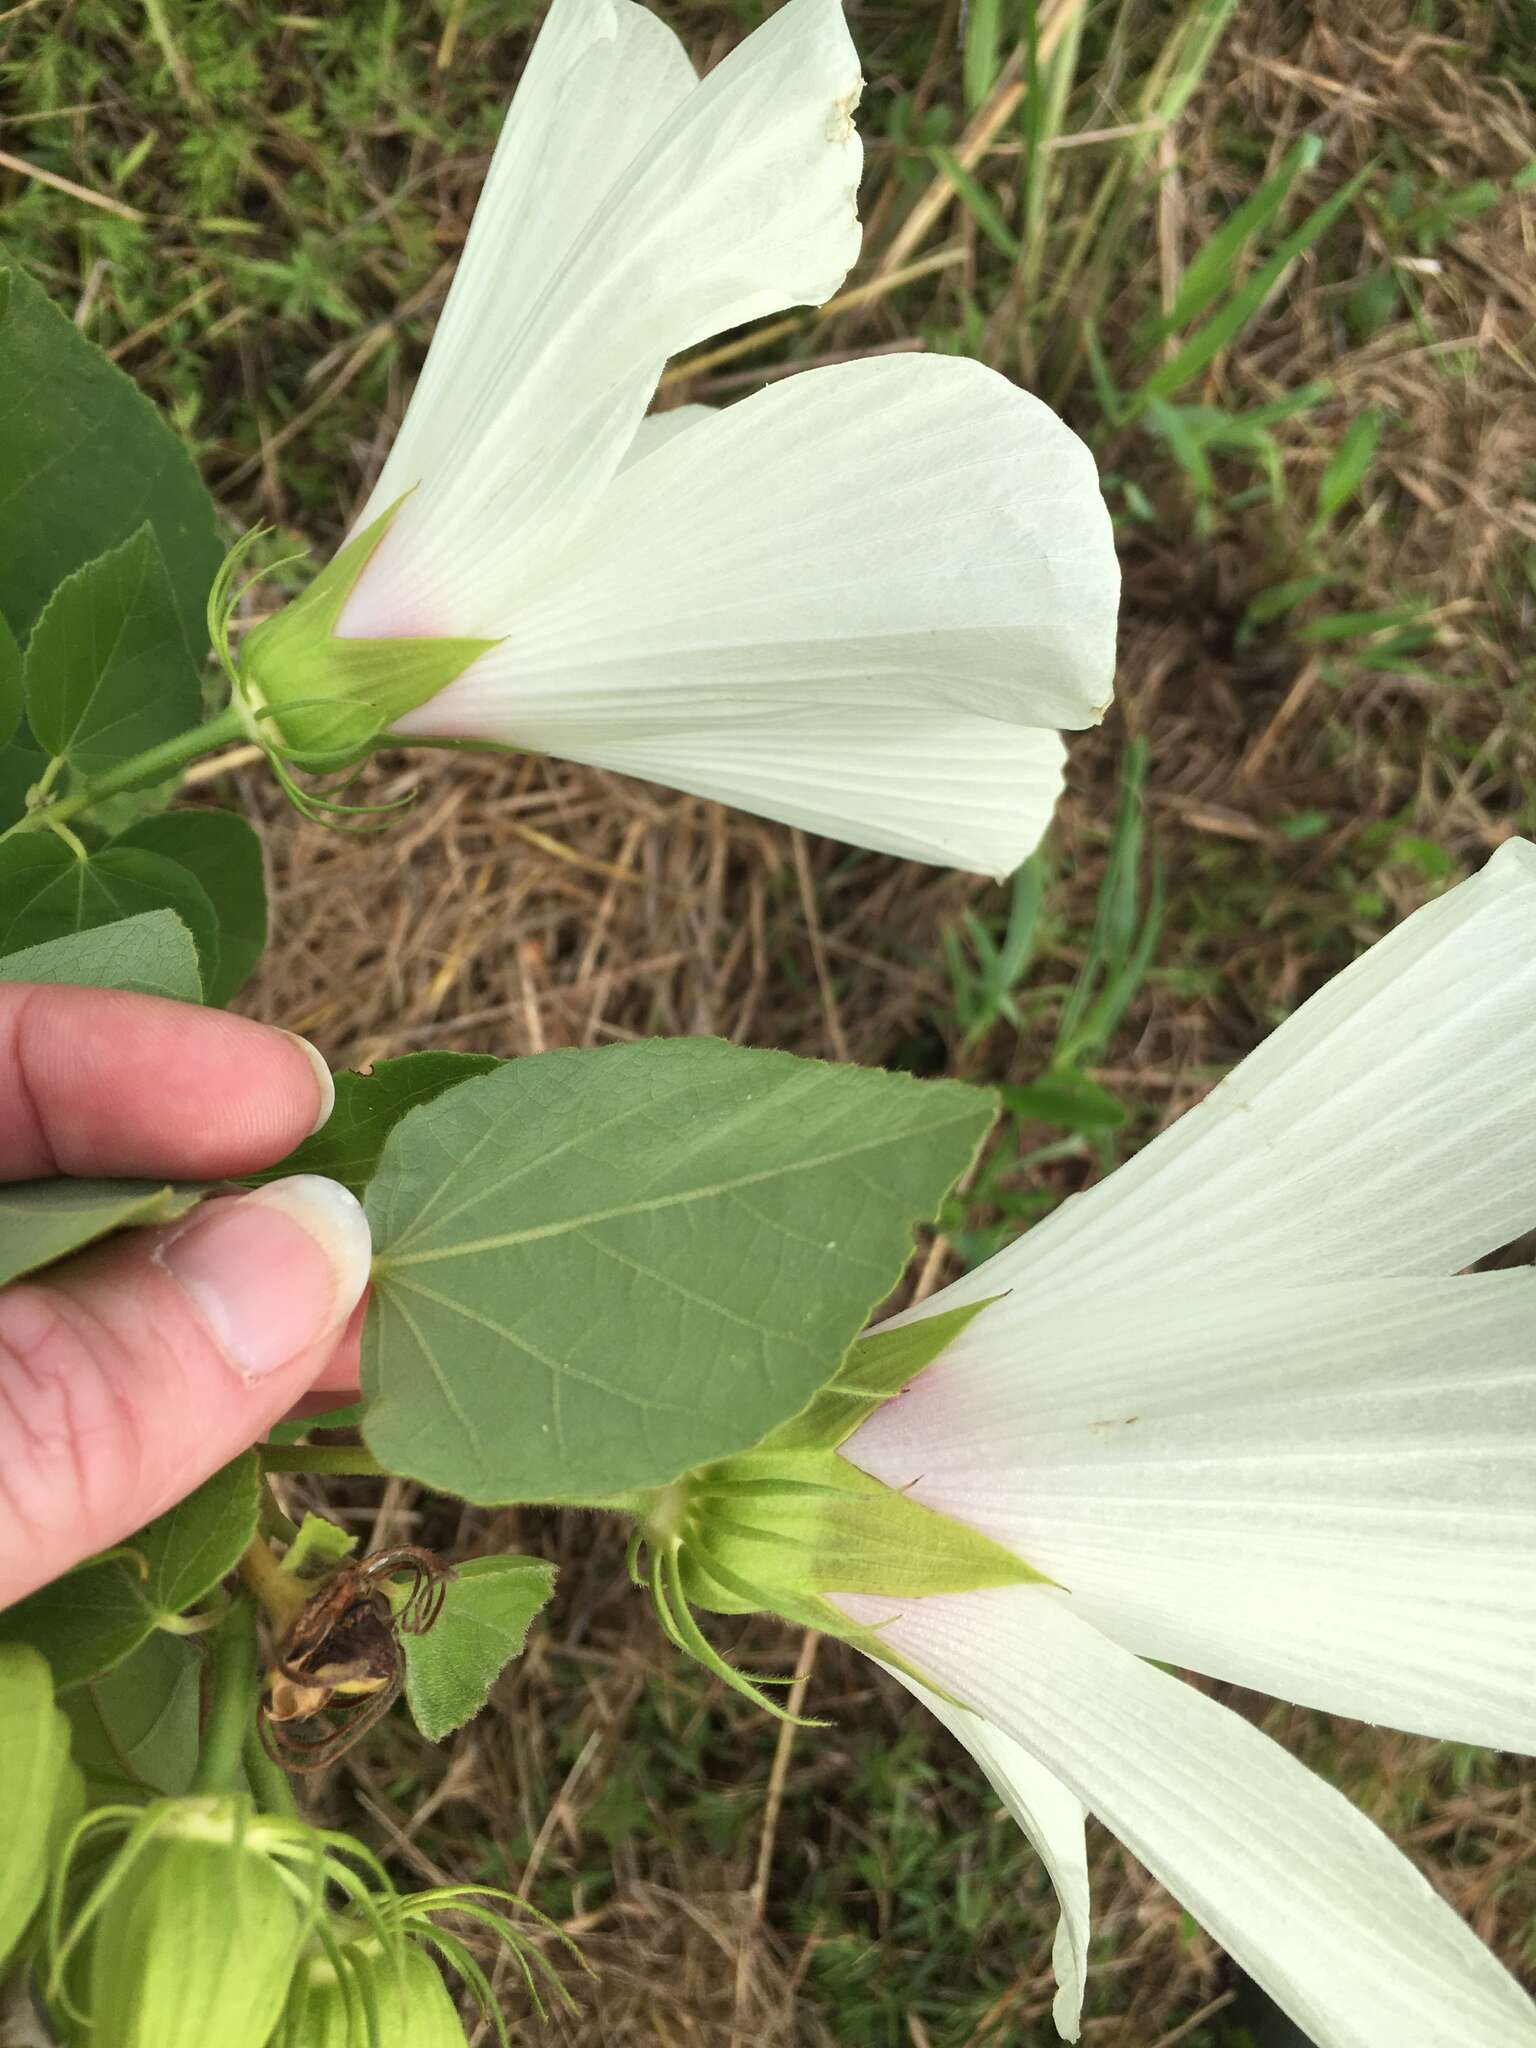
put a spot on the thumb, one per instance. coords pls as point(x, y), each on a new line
point(129, 1373)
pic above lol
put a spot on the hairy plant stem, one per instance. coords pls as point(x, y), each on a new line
point(342, 1461)
point(234, 1693)
point(155, 764)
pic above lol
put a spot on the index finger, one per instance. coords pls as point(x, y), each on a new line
point(93, 1081)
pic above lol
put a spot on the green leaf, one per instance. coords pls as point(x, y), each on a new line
point(10, 684)
point(368, 1106)
point(93, 1618)
point(43, 1220)
point(598, 1269)
point(107, 669)
point(224, 855)
point(152, 954)
point(87, 461)
point(136, 1726)
point(318, 1548)
point(47, 891)
point(487, 1611)
point(1071, 1100)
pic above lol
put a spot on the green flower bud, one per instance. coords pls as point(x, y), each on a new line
point(370, 1980)
point(35, 1780)
point(333, 1994)
point(195, 1931)
point(317, 698)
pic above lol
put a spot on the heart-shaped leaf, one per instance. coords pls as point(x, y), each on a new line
point(87, 461)
point(136, 1726)
point(224, 855)
point(93, 1618)
point(48, 891)
point(487, 1611)
point(107, 669)
point(152, 954)
point(598, 1269)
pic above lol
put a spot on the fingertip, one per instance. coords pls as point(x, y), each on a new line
point(99, 1081)
point(325, 1081)
point(274, 1275)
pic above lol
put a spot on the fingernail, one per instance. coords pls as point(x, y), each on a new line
point(273, 1273)
point(323, 1077)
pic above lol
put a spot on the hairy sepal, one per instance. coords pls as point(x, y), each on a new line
point(792, 1521)
point(321, 700)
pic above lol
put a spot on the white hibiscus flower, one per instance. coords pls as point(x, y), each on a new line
point(1237, 1409)
point(861, 601)
point(1242, 1405)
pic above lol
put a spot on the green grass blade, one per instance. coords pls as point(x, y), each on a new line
point(1212, 266)
point(1112, 943)
point(978, 202)
point(1345, 473)
point(983, 50)
point(1223, 327)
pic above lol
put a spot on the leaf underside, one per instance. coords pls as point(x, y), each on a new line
point(598, 1269)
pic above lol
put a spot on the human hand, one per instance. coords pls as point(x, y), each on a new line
point(132, 1371)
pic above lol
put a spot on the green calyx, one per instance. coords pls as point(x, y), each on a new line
point(319, 700)
point(779, 1528)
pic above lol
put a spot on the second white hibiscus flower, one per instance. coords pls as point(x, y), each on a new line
point(861, 601)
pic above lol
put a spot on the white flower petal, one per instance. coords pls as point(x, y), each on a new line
point(657, 428)
point(1388, 1127)
point(1052, 1821)
point(602, 77)
point(740, 202)
point(1327, 1493)
point(1308, 1896)
point(906, 533)
point(932, 786)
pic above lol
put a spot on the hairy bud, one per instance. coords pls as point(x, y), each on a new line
point(37, 1785)
point(195, 1929)
point(334, 1993)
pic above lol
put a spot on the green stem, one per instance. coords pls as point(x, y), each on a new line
point(198, 1623)
point(342, 1461)
point(268, 1780)
point(273, 1521)
point(155, 764)
point(234, 1695)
